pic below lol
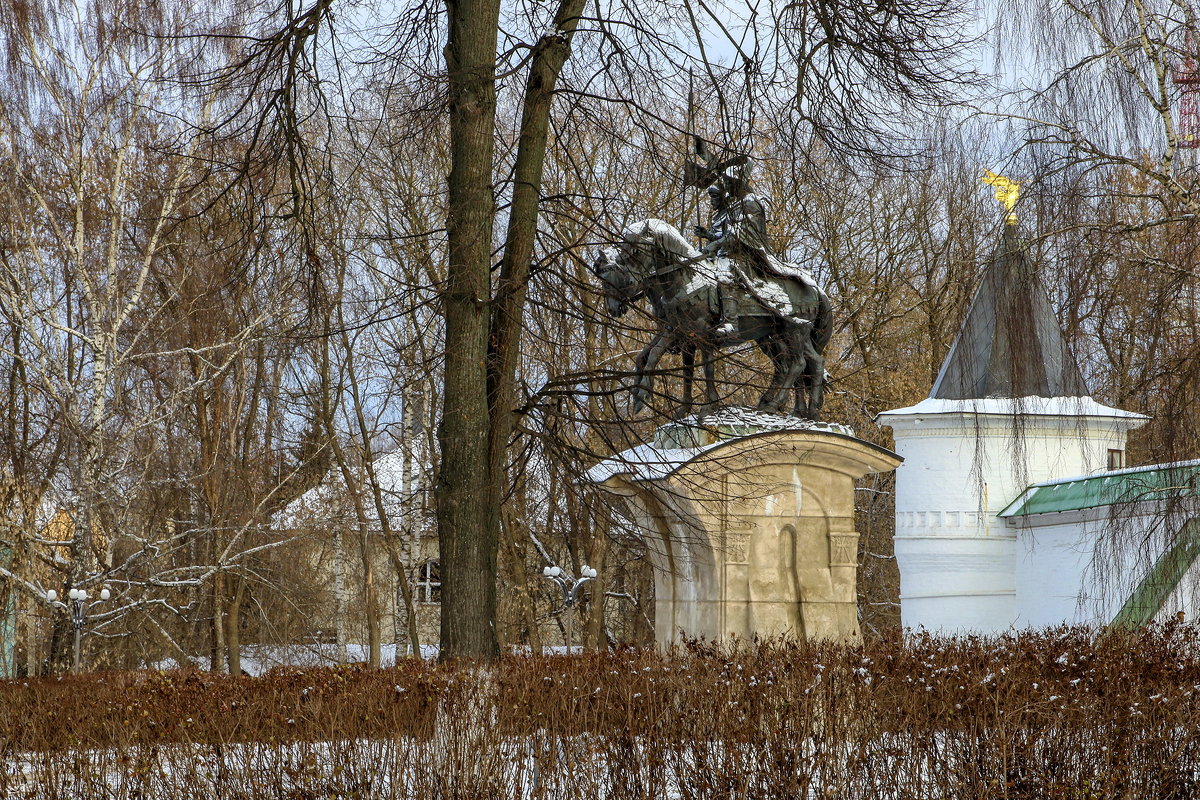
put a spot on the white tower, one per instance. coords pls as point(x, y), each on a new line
point(1009, 408)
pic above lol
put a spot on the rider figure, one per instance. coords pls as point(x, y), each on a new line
point(719, 220)
point(715, 238)
point(739, 233)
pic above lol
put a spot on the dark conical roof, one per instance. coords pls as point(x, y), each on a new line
point(1011, 344)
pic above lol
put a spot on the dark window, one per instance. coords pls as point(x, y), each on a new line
point(1116, 459)
point(429, 583)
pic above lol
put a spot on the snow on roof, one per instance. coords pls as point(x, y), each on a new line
point(662, 457)
point(1112, 473)
point(645, 462)
point(1028, 406)
point(328, 500)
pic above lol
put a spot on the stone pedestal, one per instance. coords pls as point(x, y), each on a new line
point(751, 533)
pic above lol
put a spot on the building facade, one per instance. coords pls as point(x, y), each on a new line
point(986, 540)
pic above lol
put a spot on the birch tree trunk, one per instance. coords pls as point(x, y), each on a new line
point(339, 594)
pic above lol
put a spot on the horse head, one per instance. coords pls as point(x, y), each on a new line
point(646, 249)
point(621, 288)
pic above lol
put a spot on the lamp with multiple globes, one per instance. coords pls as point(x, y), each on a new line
point(78, 607)
point(569, 587)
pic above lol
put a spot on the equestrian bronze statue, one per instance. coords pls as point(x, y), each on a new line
point(732, 291)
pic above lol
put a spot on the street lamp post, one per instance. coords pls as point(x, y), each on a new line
point(570, 590)
point(78, 608)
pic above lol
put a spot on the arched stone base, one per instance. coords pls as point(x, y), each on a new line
point(751, 535)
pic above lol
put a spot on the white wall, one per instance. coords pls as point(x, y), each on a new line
point(1080, 567)
point(1054, 573)
point(964, 461)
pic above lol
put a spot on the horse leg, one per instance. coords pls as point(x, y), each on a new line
point(688, 354)
point(803, 393)
point(793, 362)
point(776, 395)
point(816, 387)
point(795, 347)
point(804, 380)
point(647, 362)
point(710, 378)
point(812, 385)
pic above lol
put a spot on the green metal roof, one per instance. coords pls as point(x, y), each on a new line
point(1140, 484)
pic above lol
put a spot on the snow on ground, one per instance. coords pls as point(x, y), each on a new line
point(258, 658)
point(452, 763)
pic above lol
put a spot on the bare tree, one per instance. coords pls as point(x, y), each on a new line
point(341, 253)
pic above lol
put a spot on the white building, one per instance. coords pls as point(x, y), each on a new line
point(1012, 509)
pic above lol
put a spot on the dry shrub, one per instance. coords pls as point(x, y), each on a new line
point(1059, 714)
point(119, 709)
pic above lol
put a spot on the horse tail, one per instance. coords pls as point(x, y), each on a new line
point(823, 324)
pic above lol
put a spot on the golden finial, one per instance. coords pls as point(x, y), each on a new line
point(1007, 192)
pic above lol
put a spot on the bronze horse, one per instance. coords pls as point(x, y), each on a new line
point(789, 319)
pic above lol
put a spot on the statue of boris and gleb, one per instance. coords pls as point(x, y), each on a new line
point(731, 290)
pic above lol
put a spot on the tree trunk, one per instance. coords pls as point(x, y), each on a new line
point(522, 589)
point(233, 623)
point(58, 657)
point(408, 527)
point(219, 652)
point(370, 598)
point(482, 349)
point(592, 635)
point(466, 535)
point(550, 54)
point(399, 564)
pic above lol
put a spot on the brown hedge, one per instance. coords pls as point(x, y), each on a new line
point(1066, 713)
